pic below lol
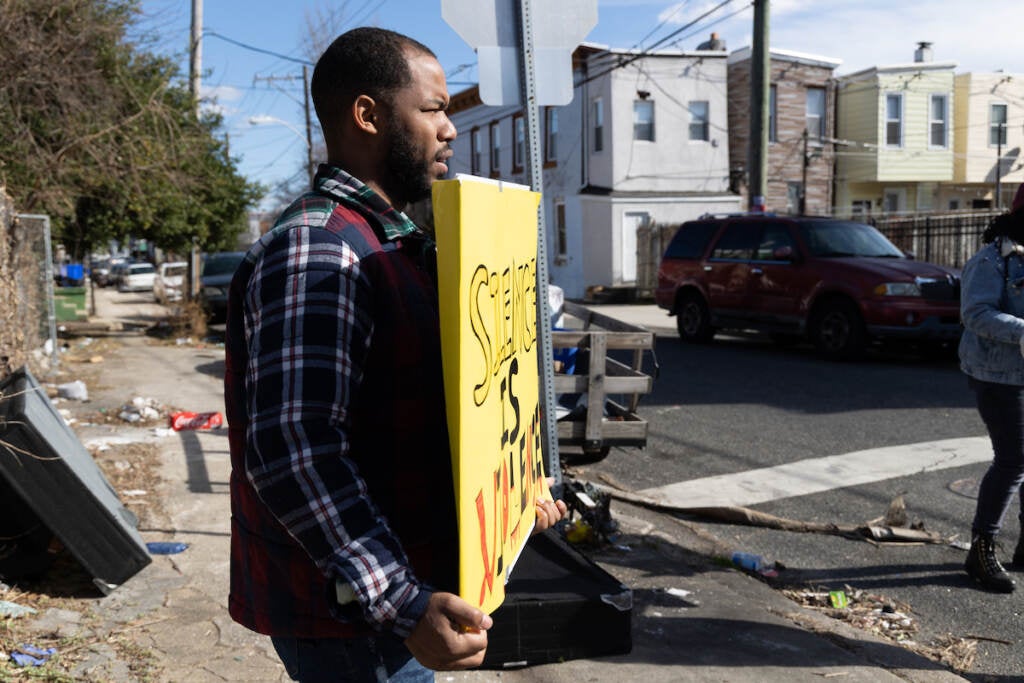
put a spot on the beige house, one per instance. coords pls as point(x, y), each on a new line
point(895, 127)
point(988, 136)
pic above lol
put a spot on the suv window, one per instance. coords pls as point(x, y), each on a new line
point(738, 242)
point(690, 240)
point(775, 235)
point(846, 238)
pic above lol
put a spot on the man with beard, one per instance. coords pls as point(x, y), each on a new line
point(343, 541)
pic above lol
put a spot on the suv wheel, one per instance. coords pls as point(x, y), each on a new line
point(692, 319)
point(838, 331)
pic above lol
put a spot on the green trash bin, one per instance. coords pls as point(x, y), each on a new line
point(69, 304)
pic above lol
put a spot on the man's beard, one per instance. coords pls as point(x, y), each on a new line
point(408, 168)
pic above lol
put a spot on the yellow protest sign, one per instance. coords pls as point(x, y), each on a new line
point(487, 263)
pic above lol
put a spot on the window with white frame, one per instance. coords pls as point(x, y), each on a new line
point(700, 123)
point(997, 125)
point(598, 124)
point(894, 120)
point(643, 120)
point(773, 128)
point(476, 151)
point(938, 121)
point(518, 142)
point(815, 116)
point(495, 134)
point(550, 135)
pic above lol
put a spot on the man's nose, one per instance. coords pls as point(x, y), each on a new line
point(447, 133)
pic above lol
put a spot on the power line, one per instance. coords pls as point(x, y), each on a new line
point(253, 48)
point(368, 14)
point(644, 53)
point(664, 21)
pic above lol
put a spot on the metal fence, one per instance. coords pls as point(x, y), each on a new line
point(25, 316)
point(948, 239)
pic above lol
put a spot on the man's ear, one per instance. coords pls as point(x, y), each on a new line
point(366, 112)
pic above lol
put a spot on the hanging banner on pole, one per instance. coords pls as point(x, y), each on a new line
point(486, 261)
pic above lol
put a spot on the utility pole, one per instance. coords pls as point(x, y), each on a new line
point(195, 53)
point(999, 166)
point(272, 80)
point(803, 180)
point(195, 71)
point(760, 76)
point(309, 125)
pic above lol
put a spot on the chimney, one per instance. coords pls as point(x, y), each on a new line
point(715, 43)
point(923, 53)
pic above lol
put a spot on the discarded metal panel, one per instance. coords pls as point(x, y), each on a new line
point(48, 469)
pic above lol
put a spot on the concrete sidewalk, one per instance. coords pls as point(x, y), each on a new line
point(693, 618)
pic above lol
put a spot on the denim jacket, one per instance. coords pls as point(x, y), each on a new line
point(992, 310)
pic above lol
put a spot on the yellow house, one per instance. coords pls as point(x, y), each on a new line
point(987, 141)
point(895, 136)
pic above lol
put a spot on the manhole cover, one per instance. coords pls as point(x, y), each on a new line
point(965, 487)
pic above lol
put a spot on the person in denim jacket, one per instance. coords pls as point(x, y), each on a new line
point(992, 357)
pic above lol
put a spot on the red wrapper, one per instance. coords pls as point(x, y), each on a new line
point(189, 420)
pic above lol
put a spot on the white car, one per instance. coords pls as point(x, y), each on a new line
point(169, 282)
point(137, 277)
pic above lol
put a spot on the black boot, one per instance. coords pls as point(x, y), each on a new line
point(983, 566)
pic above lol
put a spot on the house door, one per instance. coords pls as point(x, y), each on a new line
point(631, 220)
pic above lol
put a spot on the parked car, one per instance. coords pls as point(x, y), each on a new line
point(218, 269)
point(169, 283)
point(840, 284)
point(117, 273)
point(103, 271)
point(136, 277)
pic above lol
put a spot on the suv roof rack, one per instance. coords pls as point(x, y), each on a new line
point(738, 214)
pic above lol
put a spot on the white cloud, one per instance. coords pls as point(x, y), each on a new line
point(217, 99)
point(220, 93)
point(980, 36)
point(628, 3)
point(871, 33)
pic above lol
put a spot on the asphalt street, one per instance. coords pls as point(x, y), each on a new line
point(692, 616)
point(742, 404)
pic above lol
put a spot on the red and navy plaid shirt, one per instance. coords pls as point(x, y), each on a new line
point(339, 446)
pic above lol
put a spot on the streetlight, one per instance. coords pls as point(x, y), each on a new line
point(267, 120)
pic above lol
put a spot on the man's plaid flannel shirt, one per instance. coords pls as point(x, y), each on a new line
point(336, 419)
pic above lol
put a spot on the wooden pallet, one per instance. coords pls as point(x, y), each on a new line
point(604, 422)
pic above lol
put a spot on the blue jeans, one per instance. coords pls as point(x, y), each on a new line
point(1001, 407)
point(379, 659)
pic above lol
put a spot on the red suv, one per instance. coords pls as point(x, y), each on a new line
point(839, 283)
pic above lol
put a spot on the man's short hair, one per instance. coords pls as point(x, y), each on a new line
point(363, 61)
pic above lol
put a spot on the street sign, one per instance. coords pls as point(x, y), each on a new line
point(489, 26)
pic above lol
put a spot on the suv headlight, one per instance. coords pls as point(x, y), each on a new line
point(898, 289)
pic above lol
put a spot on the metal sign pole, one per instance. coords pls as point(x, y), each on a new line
point(534, 169)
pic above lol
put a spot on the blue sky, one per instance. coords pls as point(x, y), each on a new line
point(980, 35)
